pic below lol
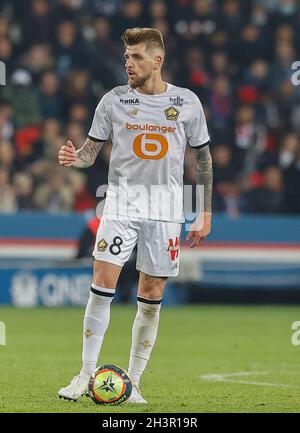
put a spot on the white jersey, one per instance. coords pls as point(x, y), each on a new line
point(149, 135)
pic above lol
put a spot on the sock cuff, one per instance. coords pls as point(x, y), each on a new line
point(102, 291)
point(149, 301)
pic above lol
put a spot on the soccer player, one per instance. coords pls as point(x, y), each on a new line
point(150, 123)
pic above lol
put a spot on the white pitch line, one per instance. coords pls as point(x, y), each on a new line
point(225, 377)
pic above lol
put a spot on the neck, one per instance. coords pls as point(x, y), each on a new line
point(153, 86)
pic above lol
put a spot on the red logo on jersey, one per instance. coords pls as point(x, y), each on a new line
point(174, 249)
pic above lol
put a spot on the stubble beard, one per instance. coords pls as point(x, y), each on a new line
point(139, 82)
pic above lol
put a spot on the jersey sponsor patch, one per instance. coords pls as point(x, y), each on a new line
point(129, 101)
point(171, 113)
point(177, 101)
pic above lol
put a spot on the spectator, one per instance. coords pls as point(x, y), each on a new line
point(130, 15)
point(54, 195)
point(7, 156)
point(250, 140)
point(23, 189)
point(37, 60)
point(269, 198)
point(37, 26)
point(68, 48)
point(7, 196)
point(220, 102)
point(83, 199)
point(27, 115)
point(6, 124)
point(49, 96)
point(107, 66)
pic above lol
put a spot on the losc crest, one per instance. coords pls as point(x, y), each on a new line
point(2, 74)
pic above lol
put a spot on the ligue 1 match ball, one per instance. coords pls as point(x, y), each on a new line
point(109, 385)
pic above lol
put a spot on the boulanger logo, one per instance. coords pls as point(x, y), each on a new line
point(2, 74)
point(2, 334)
point(150, 146)
point(151, 128)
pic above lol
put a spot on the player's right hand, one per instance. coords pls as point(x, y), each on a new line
point(67, 154)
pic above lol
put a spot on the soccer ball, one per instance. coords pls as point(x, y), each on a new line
point(109, 385)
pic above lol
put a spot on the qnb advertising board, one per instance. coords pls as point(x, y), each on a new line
point(50, 284)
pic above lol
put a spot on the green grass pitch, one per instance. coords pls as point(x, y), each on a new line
point(207, 359)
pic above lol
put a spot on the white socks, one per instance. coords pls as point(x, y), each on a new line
point(144, 333)
point(96, 320)
point(95, 324)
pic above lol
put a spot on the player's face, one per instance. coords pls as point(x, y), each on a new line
point(140, 64)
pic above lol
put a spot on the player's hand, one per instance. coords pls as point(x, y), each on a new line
point(67, 154)
point(199, 229)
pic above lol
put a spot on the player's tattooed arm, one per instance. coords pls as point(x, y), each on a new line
point(87, 154)
point(82, 158)
point(204, 174)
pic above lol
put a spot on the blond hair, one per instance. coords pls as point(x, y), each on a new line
point(152, 38)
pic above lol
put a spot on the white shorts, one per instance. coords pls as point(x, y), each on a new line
point(158, 244)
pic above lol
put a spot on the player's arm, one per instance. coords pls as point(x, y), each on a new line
point(81, 158)
point(204, 176)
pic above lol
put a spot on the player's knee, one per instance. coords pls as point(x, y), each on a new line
point(105, 282)
point(151, 295)
point(151, 291)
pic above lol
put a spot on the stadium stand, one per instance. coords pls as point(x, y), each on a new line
point(61, 56)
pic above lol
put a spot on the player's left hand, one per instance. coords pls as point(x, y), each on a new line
point(197, 235)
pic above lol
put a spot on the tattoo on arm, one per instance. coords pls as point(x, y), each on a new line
point(204, 174)
point(87, 154)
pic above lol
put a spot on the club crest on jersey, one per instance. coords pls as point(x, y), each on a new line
point(130, 101)
point(177, 101)
point(171, 113)
point(102, 245)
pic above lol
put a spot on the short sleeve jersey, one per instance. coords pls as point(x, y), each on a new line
point(149, 135)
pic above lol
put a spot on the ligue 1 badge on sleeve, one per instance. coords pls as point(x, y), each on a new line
point(171, 113)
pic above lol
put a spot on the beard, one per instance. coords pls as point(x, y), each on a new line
point(139, 82)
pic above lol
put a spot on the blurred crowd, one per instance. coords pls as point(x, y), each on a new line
point(61, 56)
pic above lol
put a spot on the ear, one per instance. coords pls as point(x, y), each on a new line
point(158, 60)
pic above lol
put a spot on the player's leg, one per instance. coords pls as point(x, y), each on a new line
point(145, 327)
point(114, 243)
point(158, 256)
point(97, 312)
point(95, 324)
